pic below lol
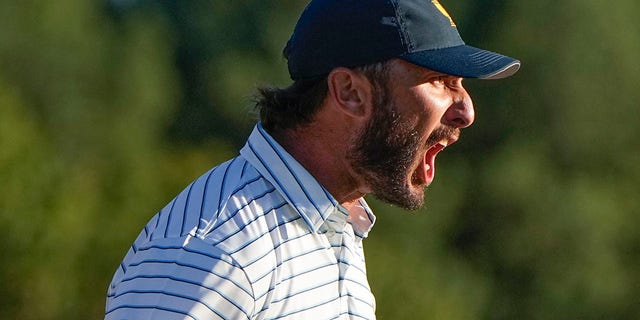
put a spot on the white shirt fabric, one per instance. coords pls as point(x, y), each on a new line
point(256, 237)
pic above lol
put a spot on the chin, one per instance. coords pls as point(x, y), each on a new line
point(410, 197)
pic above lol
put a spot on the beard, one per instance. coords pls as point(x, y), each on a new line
point(386, 150)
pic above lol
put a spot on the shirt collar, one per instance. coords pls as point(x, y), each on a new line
point(363, 220)
point(299, 188)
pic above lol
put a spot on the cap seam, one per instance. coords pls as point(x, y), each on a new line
point(407, 42)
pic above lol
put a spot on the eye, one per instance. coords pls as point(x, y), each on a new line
point(439, 81)
point(446, 81)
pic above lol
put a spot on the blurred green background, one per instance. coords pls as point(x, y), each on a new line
point(109, 108)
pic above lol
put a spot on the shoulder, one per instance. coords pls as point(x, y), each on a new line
point(186, 276)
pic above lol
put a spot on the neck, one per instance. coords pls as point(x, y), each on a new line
point(322, 151)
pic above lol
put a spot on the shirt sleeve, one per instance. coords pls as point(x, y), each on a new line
point(182, 278)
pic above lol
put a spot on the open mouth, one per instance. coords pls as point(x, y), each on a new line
point(427, 170)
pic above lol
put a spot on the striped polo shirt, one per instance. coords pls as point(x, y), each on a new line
point(256, 237)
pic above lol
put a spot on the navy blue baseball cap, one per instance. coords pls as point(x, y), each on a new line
point(351, 33)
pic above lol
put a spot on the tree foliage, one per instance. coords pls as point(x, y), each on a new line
point(107, 110)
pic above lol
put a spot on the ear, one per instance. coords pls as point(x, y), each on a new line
point(350, 91)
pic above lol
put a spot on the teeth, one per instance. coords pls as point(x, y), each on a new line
point(444, 142)
point(428, 167)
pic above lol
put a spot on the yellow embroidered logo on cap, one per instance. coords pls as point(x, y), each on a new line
point(443, 10)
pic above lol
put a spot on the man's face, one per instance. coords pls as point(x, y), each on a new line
point(416, 115)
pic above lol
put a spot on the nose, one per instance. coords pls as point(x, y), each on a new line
point(461, 113)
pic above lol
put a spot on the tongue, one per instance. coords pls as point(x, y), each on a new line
point(429, 163)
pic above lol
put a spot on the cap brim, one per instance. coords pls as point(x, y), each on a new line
point(465, 61)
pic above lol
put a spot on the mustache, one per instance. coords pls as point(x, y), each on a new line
point(443, 132)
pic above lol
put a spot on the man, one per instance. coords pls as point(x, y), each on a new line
point(276, 233)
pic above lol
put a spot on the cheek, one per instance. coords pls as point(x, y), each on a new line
point(425, 121)
point(427, 106)
point(423, 109)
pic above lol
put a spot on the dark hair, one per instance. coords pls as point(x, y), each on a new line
point(287, 108)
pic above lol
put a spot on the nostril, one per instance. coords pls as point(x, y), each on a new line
point(460, 115)
point(460, 123)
